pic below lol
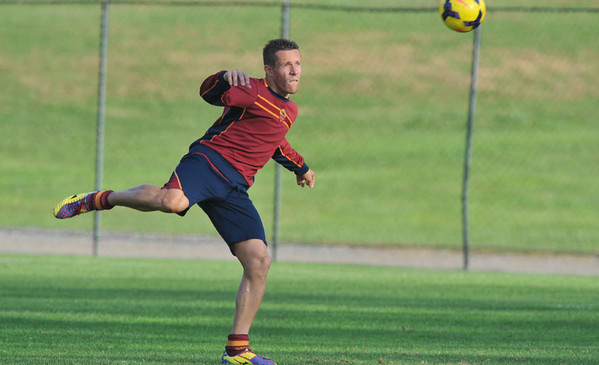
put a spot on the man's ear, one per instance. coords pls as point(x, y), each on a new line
point(268, 70)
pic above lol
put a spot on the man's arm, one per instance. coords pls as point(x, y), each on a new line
point(293, 161)
point(306, 179)
point(237, 78)
point(215, 87)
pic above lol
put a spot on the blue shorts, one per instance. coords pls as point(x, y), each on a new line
point(208, 180)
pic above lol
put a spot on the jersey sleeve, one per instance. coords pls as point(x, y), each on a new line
point(290, 159)
point(217, 91)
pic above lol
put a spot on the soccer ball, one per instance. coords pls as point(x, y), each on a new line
point(463, 15)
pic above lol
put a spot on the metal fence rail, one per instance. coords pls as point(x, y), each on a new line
point(316, 5)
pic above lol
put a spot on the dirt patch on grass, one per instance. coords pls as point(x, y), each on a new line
point(42, 241)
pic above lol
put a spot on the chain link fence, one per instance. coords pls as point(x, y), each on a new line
point(383, 109)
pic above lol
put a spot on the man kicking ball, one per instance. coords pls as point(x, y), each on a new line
point(220, 168)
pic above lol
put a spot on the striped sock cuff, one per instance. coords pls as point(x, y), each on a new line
point(101, 200)
point(237, 344)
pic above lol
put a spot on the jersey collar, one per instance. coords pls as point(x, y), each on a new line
point(274, 93)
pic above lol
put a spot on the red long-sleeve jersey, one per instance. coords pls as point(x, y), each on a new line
point(252, 128)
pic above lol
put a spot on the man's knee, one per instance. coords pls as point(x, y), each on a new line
point(173, 201)
point(254, 256)
point(264, 261)
point(259, 267)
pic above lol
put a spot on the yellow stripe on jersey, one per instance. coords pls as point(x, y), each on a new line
point(267, 110)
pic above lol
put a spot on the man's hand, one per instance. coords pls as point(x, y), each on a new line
point(306, 179)
point(237, 78)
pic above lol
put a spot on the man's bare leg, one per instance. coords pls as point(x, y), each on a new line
point(147, 198)
point(255, 259)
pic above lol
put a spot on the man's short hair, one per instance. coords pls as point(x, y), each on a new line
point(272, 47)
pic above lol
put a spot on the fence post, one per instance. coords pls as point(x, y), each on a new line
point(100, 120)
point(468, 155)
point(277, 209)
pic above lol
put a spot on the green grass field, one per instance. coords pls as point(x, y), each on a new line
point(71, 310)
point(383, 111)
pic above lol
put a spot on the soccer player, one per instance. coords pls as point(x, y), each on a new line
point(218, 170)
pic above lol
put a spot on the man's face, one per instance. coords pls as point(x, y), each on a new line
point(284, 77)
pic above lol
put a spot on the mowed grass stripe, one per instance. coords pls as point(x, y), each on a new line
point(73, 310)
